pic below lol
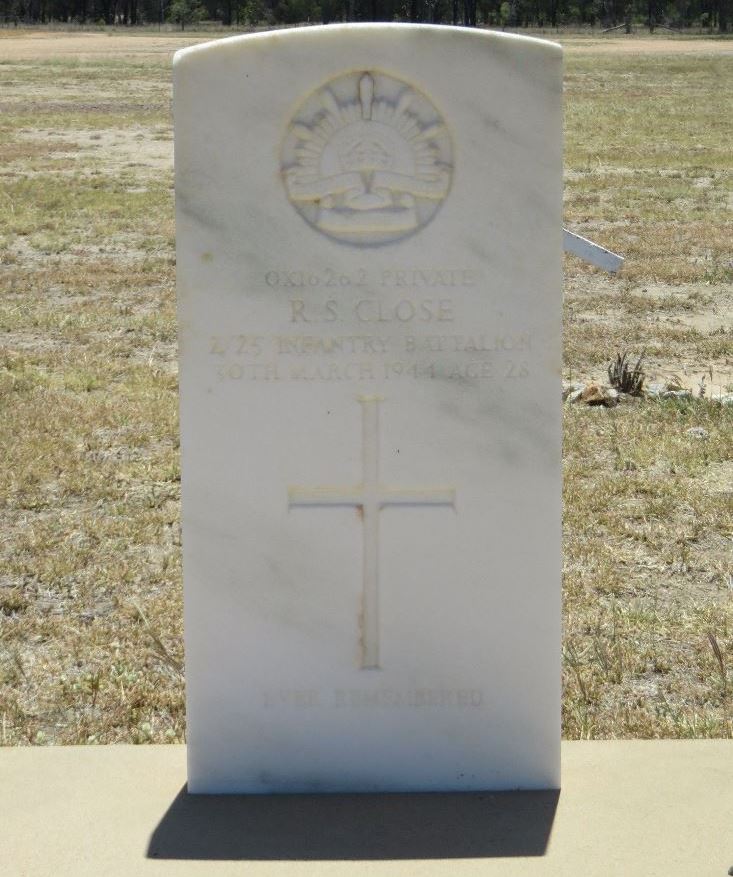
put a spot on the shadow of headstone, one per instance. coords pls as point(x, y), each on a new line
point(355, 827)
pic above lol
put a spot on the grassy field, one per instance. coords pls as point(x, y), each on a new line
point(90, 575)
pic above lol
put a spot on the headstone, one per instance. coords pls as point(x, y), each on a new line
point(369, 284)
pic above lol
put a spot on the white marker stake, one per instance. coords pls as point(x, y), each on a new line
point(590, 252)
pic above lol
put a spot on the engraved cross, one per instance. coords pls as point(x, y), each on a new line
point(370, 496)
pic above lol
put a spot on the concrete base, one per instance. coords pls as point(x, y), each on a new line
point(627, 808)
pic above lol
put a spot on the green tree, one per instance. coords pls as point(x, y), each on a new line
point(185, 12)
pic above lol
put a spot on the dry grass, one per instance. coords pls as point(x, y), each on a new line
point(90, 580)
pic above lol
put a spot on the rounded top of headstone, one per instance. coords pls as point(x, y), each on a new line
point(384, 32)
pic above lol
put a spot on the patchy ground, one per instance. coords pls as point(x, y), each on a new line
point(147, 149)
point(39, 46)
point(90, 580)
point(661, 44)
point(19, 44)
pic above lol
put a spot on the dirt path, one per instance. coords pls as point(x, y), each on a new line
point(44, 45)
point(633, 45)
point(37, 45)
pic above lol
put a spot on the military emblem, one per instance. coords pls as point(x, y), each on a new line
point(367, 159)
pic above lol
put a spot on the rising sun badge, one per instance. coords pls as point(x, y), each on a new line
point(367, 159)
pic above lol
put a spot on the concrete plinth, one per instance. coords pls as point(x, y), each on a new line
point(627, 808)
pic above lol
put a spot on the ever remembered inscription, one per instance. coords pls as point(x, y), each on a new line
point(382, 697)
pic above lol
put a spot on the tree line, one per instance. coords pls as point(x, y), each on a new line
point(713, 15)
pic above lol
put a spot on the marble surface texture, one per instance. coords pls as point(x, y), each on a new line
point(369, 248)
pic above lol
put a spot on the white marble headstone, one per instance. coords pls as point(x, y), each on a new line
point(369, 284)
